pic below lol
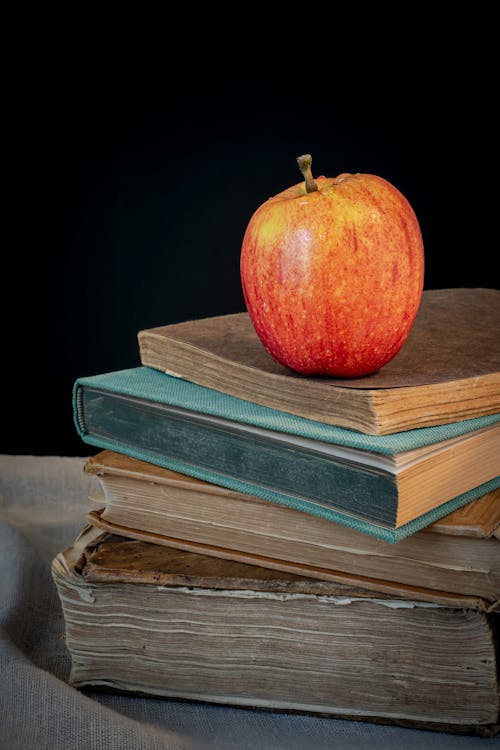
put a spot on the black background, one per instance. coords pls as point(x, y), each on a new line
point(135, 177)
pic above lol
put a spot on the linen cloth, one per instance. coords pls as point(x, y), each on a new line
point(43, 502)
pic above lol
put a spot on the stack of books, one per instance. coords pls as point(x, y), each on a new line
point(269, 540)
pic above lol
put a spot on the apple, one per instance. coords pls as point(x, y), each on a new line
point(332, 273)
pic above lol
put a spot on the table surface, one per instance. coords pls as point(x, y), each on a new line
point(43, 502)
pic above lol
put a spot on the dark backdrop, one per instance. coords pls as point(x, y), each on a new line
point(136, 184)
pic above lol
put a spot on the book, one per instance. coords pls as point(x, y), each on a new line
point(455, 559)
point(447, 371)
point(386, 485)
point(150, 620)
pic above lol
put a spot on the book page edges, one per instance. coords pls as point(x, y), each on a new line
point(447, 475)
point(300, 569)
point(479, 518)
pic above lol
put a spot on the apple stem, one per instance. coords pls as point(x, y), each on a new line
point(304, 163)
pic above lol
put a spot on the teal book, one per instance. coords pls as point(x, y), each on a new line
point(389, 486)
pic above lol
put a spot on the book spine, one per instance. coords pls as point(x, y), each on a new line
point(133, 435)
point(293, 471)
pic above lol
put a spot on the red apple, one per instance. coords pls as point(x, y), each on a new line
point(332, 272)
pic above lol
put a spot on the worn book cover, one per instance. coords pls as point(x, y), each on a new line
point(387, 485)
point(458, 556)
point(447, 371)
point(150, 620)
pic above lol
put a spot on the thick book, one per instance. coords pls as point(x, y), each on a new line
point(149, 620)
point(387, 485)
point(447, 371)
point(456, 560)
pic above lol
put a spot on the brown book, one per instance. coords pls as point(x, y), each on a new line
point(147, 619)
point(447, 371)
point(455, 559)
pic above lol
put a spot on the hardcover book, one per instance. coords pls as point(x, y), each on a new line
point(455, 560)
point(389, 486)
point(447, 371)
point(149, 620)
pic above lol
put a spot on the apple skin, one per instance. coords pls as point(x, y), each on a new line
point(333, 279)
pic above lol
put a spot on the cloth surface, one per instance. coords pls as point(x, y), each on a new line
point(43, 502)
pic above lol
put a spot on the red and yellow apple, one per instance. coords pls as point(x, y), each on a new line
point(332, 273)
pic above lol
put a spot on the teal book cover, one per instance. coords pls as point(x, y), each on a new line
point(335, 473)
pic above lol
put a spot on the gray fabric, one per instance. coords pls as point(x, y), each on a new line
point(42, 505)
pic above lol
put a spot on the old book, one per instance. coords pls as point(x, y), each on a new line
point(458, 556)
point(447, 371)
point(386, 485)
point(147, 619)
